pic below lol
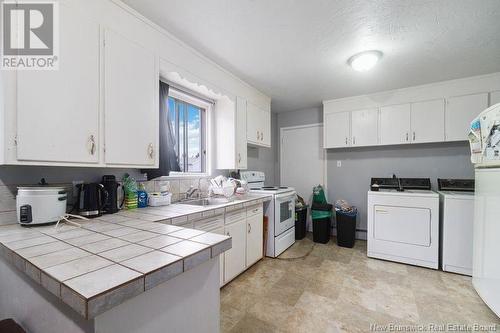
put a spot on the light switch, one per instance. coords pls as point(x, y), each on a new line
point(339, 164)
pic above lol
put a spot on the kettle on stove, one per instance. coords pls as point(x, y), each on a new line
point(91, 199)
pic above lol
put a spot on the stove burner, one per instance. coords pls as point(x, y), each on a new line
point(273, 188)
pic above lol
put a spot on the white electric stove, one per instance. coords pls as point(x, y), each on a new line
point(280, 212)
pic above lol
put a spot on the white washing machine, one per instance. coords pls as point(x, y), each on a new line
point(403, 226)
point(456, 200)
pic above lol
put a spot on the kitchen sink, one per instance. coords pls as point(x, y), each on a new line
point(205, 202)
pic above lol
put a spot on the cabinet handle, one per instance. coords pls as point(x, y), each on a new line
point(406, 136)
point(239, 157)
point(92, 145)
point(262, 136)
point(413, 136)
point(249, 228)
point(346, 141)
point(258, 135)
point(151, 151)
point(353, 140)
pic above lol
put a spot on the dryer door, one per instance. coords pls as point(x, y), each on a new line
point(408, 225)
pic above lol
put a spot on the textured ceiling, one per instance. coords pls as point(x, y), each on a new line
point(295, 51)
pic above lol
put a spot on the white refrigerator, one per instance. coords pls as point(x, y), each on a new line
point(484, 140)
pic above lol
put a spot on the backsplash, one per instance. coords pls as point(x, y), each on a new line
point(13, 176)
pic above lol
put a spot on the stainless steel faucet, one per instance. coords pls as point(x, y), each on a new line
point(398, 180)
point(192, 190)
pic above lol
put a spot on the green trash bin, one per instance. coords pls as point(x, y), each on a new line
point(321, 214)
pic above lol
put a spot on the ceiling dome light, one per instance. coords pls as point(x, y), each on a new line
point(364, 61)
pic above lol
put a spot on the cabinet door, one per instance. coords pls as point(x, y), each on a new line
point(494, 97)
point(253, 123)
point(131, 103)
point(395, 124)
point(241, 133)
point(220, 231)
point(459, 113)
point(254, 238)
point(58, 111)
point(427, 121)
point(234, 259)
point(337, 129)
point(364, 127)
point(265, 128)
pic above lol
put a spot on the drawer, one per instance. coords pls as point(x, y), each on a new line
point(210, 223)
point(236, 215)
point(255, 210)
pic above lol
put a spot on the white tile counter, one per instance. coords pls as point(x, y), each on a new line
point(113, 258)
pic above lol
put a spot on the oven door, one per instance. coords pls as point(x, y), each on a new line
point(284, 212)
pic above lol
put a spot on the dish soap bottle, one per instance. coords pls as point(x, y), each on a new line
point(142, 196)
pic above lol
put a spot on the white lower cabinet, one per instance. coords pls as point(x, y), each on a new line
point(246, 227)
point(234, 259)
point(220, 231)
point(254, 237)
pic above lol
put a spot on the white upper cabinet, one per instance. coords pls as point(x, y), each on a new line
point(364, 130)
point(337, 129)
point(460, 111)
point(427, 121)
point(258, 126)
point(266, 128)
point(494, 97)
point(58, 111)
point(395, 124)
point(131, 110)
point(231, 133)
point(241, 133)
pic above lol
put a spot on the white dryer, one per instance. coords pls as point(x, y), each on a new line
point(456, 199)
point(403, 221)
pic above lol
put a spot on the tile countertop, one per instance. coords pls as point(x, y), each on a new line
point(115, 257)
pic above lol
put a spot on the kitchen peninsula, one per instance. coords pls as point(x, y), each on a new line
point(134, 271)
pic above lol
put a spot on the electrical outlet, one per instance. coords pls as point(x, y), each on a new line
point(339, 164)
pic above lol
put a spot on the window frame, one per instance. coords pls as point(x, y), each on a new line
point(206, 107)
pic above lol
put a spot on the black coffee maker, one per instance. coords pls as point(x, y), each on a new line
point(91, 199)
point(113, 203)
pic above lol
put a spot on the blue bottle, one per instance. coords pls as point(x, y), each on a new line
point(142, 199)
